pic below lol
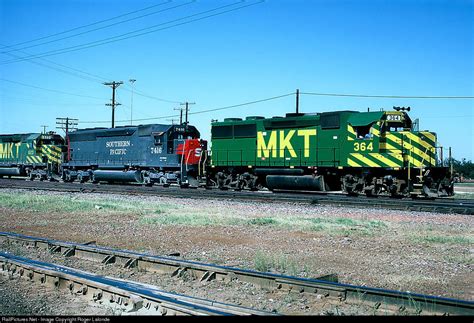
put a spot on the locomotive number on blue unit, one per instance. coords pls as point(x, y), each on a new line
point(156, 150)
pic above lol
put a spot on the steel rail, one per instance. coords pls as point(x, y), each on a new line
point(398, 301)
point(129, 296)
point(438, 205)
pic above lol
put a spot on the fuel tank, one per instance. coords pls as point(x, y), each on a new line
point(303, 183)
point(118, 176)
point(10, 171)
point(278, 171)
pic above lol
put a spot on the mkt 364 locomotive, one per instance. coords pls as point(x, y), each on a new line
point(372, 153)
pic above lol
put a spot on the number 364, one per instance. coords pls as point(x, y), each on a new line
point(362, 146)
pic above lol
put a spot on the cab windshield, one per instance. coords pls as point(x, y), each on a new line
point(396, 123)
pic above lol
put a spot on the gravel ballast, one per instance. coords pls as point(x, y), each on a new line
point(409, 251)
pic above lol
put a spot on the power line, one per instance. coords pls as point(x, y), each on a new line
point(244, 104)
point(33, 102)
point(289, 94)
point(114, 38)
point(121, 37)
point(140, 93)
point(58, 69)
point(89, 25)
point(103, 27)
point(203, 111)
point(388, 96)
point(45, 89)
point(93, 77)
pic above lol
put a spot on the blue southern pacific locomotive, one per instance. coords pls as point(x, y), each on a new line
point(145, 154)
point(372, 153)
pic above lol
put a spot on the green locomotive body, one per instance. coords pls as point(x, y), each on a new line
point(359, 152)
point(31, 154)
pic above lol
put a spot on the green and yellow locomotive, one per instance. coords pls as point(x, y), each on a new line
point(372, 153)
point(33, 154)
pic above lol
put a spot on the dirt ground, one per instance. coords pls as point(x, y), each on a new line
point(409, 251)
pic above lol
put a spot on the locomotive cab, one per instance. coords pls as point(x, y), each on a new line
point(178, 134)
point(393, 121)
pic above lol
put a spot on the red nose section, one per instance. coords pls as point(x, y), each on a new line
point(191, 151)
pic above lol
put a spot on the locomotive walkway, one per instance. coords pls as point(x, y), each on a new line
point(128, 292)
point(440, 205)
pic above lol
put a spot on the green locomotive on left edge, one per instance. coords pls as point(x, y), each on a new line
point(372, 153)
point(34, 155)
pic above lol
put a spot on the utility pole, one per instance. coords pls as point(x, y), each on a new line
point(180, 114)
point(187, 104)
point(450, 163)
point(114, 85)
point(68, 125)
point(131, 103)
point(297, 100)
point(44, 129)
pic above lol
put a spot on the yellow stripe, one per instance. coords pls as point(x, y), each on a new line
point(365, 160)
point(430, 136)
point(351, 130)
point(397, 156)
point(51, 158)
point(392, 151)
point(352, 163)
point(56, 149)
point(419, 141)
point(390, 148)
point(384, 160)
point(51, 154)
point(407, 145)
point(28, 159)
point(375, 132)
point(55, 155)
point(350, 138)
point(413, 162)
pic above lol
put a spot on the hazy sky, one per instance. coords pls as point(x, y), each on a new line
point(403, 48)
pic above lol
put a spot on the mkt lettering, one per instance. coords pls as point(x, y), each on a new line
point(279, 143)
point(7, 150)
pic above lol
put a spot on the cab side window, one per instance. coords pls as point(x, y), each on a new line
point(363, 132)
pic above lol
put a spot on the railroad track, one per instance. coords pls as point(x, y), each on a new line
point(328, 287)
point(128, 296)
point(457, 206)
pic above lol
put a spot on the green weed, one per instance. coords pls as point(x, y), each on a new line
point(344, 226)
point(445, 239)
point(262, 221)
point(281, 263)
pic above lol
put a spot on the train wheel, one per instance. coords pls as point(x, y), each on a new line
point(211, 184)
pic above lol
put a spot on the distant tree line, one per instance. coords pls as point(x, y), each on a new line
point(463, 168)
